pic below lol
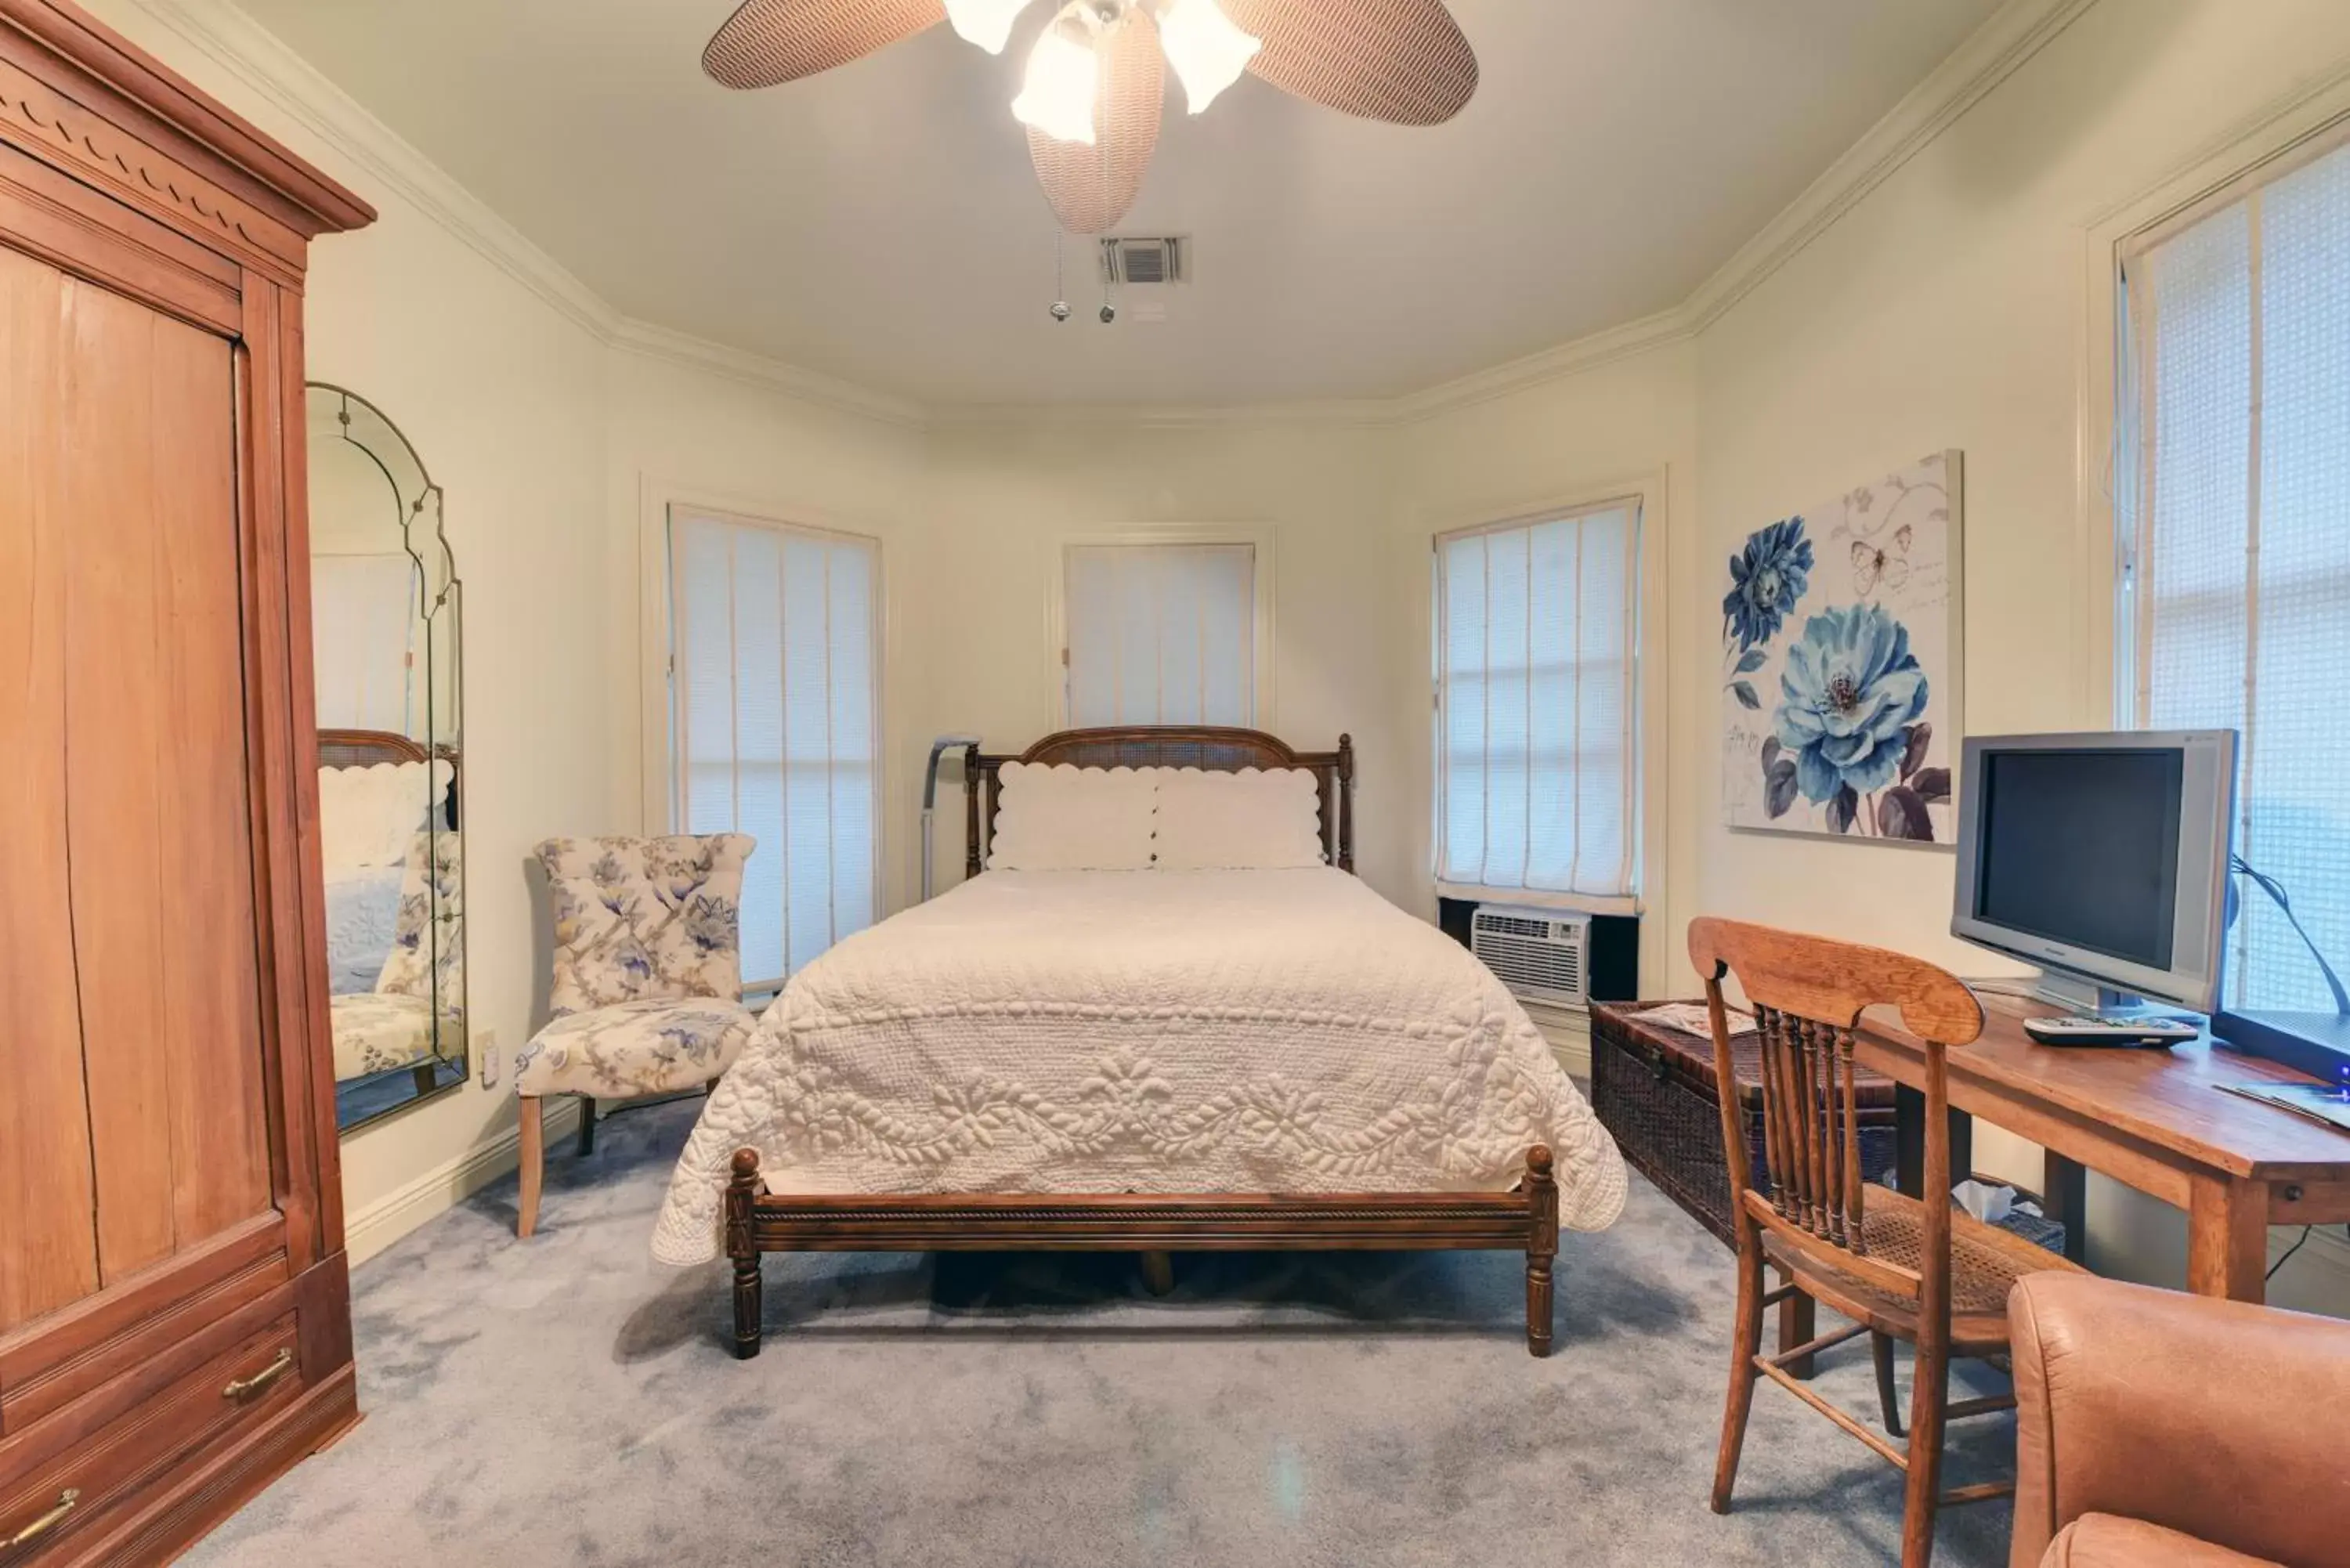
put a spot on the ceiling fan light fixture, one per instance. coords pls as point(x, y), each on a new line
point(987, 23)
point(1208, 51)
point(1063, 79)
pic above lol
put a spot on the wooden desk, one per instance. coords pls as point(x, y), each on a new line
point(2152, 1119)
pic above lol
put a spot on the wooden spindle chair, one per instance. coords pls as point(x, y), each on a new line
point(1924, 1273)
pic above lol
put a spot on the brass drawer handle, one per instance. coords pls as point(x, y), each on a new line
point(246, 1389)
point(48, 1522)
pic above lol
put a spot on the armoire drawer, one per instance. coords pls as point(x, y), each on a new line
point(44, 1515)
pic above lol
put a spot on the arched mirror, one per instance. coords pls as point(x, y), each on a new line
point(387, 623)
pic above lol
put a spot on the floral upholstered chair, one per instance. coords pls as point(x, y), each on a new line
point(646, 992)
point(422, 982)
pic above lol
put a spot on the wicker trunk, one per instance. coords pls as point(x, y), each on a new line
point(1653, 1088)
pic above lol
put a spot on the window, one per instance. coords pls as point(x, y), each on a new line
point(2232, 512)
point(1162, 633)
point(365, 616)
point(1534, 655)
point(774, 686)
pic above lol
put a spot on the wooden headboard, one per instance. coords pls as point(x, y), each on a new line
point(1207, 747)
point(365, 748)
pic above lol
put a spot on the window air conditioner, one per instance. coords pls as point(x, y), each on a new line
point(1540, 954)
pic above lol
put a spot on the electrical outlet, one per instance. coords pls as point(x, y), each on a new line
point(485, 1046)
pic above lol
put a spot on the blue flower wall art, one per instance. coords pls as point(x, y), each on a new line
point(1840, 688)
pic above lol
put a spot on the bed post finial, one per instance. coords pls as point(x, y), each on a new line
point(1542, 1246)
point(743, 1246)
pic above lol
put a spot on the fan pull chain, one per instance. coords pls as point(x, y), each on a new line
point(1061, 311)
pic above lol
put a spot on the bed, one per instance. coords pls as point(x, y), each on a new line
point(373, 789)
point(1149, 1061)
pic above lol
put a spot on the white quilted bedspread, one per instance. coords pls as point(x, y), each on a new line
point(1145, 1032)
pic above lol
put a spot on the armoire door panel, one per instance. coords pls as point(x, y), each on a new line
point(46, 1234)
point(220, 1130)
point(158, 835)
point(114, 707)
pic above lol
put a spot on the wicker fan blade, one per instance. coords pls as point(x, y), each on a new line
point(771, 41)
point(1090, 188)
point(1399, 61)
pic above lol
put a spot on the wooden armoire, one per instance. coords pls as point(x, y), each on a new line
point(174, 1300)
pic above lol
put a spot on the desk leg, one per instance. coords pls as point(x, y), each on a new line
point(2227, 1238)
point(1909, 1141)
point(1798, 1325)
point(2065, 1198)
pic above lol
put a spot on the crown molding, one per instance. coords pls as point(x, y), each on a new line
point(259, 60)
point(654, 342)
point(1991, 54)
point(1572, 357)
point(1334, 412)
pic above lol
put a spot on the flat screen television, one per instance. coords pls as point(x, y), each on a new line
point(2103, 858)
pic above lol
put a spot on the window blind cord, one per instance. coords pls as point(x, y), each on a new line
point(2275, 891)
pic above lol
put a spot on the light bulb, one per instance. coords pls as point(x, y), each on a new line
point(987, 23)
point(1208, 52)
point(1057, 98)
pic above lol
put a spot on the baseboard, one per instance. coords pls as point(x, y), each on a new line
point(370, 1230)
point(1569, 1029)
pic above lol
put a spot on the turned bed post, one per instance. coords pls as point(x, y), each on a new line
point(742, 1245)
point(1542, 1246)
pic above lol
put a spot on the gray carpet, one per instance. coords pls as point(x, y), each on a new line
point(565, 1400)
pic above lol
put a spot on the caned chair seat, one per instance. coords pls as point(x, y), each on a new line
point(1985, 1263)
point(656, 1046)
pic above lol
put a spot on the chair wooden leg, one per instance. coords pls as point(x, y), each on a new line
point(1746, 1343)
point(534, 1165)
point(424, 1076)
point(1928, 1400)
point(1799, 1323)
point(587, 1126)
point(1158, 1274)
point(1887, 1398)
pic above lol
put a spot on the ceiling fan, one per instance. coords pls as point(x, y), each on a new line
point(1096, 79)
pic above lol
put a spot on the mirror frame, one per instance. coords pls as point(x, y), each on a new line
point(450, 1076)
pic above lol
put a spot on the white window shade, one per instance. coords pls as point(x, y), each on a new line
point(2233, 499)
point(1162, 634)
point(364, 618)
point(775, 692)
point(1536, 628)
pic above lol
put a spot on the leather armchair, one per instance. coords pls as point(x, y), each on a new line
point(2159, 1428)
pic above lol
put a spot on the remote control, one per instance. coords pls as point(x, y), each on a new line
point(2111, 1031)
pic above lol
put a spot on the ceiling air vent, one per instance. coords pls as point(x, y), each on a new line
point(1141, 261)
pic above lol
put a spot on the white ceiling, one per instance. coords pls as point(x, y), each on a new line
point(880, 223)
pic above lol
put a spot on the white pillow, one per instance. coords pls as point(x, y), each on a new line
point(1249, 820)
point(1072, 819)
point(367, 815)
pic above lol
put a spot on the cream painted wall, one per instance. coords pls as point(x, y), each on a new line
point(680, 433)
point(1001, 498)
point(1577, 438)
point(1948, 309)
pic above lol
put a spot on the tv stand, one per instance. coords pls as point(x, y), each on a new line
point(2082, 996)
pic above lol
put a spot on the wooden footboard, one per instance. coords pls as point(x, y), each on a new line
point(1524, 1220)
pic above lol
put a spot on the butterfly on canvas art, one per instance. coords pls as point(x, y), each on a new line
point(1888, 562)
